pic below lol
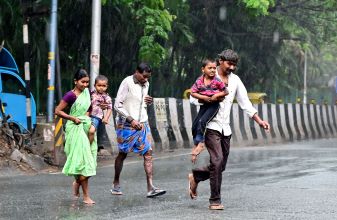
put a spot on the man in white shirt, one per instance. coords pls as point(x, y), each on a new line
point(133, 131)
point(218, 133)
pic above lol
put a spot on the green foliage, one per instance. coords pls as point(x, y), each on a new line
point(151, 51)
point(174, 36)
point(156, 23)
point(259, 7)
point(152, 26)
point(10, 24)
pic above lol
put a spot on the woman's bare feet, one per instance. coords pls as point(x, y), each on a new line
point(88, 200)
point(76, 189)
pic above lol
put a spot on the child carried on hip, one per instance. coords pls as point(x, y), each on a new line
point(209, 89)
point(100, 101)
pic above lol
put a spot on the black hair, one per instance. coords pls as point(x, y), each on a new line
point(80, 73)
point(217, 60)
point(101, 78)
point(144, 67)
point(207, 61)
point(229, 55)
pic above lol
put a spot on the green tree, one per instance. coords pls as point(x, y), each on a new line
point(174, 36)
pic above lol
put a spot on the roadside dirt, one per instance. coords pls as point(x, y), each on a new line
point(19, 156)
point(25, 157)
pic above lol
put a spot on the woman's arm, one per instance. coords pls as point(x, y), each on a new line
point(59, 111)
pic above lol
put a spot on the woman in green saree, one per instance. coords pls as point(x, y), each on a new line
point(81, 156)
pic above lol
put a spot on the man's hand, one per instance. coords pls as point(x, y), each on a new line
point(214, 98)
point(265, 125)
point(136, 125)
point(220, 99)
point(148, 100)
point(217, 98)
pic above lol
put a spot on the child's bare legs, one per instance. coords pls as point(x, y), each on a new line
point(197, 149)
point(76, 187)
point(91, 134)
point(193, 155)
point(85, 188)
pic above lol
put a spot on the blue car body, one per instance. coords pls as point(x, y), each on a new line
point(13, 93)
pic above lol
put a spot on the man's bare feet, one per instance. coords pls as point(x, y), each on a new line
point(76, 189)
point(88, 200)
point(192, 186)
point(196, 150)
point(216, 207)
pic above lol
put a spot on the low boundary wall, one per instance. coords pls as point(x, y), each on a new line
point(171, 119)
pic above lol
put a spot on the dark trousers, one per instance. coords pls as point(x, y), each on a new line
point(218, 148)
point(205, 114)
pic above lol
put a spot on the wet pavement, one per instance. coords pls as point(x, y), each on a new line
point(291, 181)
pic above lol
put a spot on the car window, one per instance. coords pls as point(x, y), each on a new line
point(11, 84)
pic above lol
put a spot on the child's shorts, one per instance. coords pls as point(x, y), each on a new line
point(95, 121)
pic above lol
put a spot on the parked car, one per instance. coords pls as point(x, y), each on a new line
point(13, 94)
point(258, 97)
point(254, 97)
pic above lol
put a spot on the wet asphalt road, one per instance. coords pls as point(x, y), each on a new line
point(292, 181)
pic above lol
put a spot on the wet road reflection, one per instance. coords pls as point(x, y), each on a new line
point(272, 182)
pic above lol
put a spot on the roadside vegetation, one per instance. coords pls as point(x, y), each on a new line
point(271, 36)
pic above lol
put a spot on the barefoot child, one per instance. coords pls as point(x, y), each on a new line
point(210, 89)
point(81, 155)
point(100, 100)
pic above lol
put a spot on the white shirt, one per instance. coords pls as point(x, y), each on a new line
point(130, 99)
point(236, 89)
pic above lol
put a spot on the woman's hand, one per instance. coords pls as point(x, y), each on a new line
point(104, 105)
point(76, 120)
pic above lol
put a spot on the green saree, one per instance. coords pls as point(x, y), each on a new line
point(81, 156)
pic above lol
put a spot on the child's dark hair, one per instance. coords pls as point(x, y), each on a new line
point(207, 61)
point(80, 73)
point(144, 67)
point(101, 78)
